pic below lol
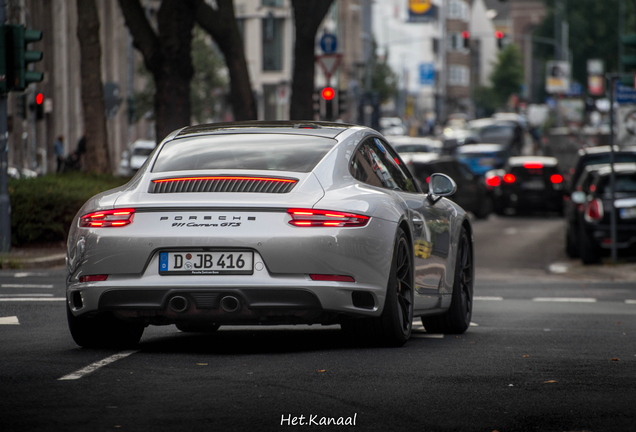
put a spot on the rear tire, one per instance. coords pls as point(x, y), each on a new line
point(590, 252)
point(456, 319)
point(393, 327)
point(103, 331)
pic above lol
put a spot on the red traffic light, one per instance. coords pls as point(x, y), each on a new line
point(465, 34)
point(328, 93)
point(499, 34)
point(39, 98)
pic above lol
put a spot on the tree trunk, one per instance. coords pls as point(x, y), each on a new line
point(221, 25)
point(96, 158)
point(167, 55)
point(308, 14)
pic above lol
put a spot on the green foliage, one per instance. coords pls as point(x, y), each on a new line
point(507, 75)
point(384, 80)
point(206, 87)
point(593, 33)
point(43, 208)
point(485, 101)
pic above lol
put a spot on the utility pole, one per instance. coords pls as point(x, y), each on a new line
point(5, 203)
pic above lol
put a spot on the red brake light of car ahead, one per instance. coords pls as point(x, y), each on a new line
point(93, 278)
point(325, 218)
point(509, 178)
point(533, 165)
point(493, 181)
point(331, 278)
point(594, 210)
point(107, 218)
point(556, 178)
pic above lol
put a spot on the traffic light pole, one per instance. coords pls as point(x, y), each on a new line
point(5, 203)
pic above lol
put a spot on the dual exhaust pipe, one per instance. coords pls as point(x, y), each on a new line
point(180, 304)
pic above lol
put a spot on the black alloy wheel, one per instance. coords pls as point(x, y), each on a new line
point(404, 286)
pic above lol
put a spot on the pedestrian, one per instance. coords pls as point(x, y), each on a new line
point(79, 151)
point(58, 148)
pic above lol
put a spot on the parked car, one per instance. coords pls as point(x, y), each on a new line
point(392, 126)
point(506, 132)
point(527, 184)
point(592, 197)
point(590, 158)
point(407, 144)
point(481, 158)
point(471, 195)
point(270, 223)
point(139, 152)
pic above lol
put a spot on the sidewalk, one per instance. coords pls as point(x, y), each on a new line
point(48, 255)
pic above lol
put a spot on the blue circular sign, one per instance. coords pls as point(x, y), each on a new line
point(329, 43)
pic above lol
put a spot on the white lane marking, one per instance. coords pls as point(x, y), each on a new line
point(630, 301)
point(25, 286)
point(94, 366)
point(488, 298)
point(511, 231)
point(21, 275)
point(472, 324)
point(29, 294)
point(558, 268)
point(565, 299)
point(33, 299)
point(12, 320)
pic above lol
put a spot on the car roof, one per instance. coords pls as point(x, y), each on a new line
point(469, 148)
point(606, 149)
point(315, 128)
point(545, 160)
point(606, 169)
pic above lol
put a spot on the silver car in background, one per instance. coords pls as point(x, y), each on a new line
point(270, 223)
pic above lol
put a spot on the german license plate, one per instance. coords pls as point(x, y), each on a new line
point(628, 213)
point(206, 263)
point(534, 185)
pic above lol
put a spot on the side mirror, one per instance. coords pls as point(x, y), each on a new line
point(441, 185)
point(578, 197)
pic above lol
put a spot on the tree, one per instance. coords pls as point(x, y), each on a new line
point(384, 81)
point(96, 158)
point(221, 24)
point(167, 56)
point(507, 76)
point(308, 14)
point(204, 86)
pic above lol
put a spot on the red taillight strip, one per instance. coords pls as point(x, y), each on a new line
point(325, 218)
point(107, 218)
point(533, 165)
point(93, 278)
point(276, 180)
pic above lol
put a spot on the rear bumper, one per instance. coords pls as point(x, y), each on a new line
point(625, 236)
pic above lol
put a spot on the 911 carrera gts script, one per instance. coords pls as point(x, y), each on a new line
point(202, 221)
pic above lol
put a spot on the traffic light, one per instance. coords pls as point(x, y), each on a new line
point(328, 94)
point(342, 102)
point(499, 35)
point(39, 106)
point(629, 61)
point(466, 37)
point(18, 57)
point(316, 104)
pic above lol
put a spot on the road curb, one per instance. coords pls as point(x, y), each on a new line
point(48, 261)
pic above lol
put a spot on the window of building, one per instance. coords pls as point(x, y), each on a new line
point(458, 9)
point(272, 3)
point(272, 43)
point(456, 42)
point(458, 75)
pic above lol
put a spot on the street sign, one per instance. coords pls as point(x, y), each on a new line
point(329, 64)
point(624, 94)
point(329, 43)
point(557, 79)
point(427, 74)
point(575, 89)
point(596, 85)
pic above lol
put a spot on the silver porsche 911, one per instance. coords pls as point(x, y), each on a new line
point(270, 223)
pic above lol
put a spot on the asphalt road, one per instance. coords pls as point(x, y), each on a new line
point(545, 353)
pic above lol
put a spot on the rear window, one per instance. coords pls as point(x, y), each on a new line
point(494, 132)
point(500, 155)
point(297, 153)
point(142, 151)
point(545, 171)
point(625, 183)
